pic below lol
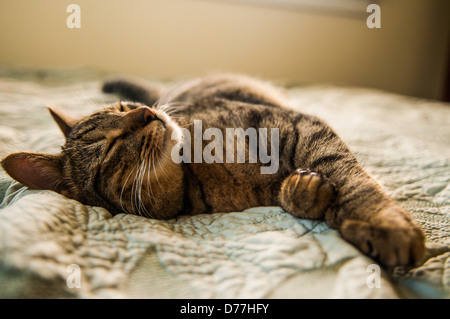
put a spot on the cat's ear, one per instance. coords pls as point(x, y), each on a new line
point(65, 122)
point(36, 171)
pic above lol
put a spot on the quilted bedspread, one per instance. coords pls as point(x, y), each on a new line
point(53, 247)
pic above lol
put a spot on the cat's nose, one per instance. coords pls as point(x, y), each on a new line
point(148, 115)
point(141, 116)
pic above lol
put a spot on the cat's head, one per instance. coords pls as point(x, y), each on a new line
point(118, 158)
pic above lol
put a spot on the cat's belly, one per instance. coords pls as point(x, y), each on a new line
point(227, 188)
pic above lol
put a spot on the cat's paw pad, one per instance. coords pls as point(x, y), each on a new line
point(307, 194)
point(392, 243)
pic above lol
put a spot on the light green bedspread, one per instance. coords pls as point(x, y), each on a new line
point(54, 247)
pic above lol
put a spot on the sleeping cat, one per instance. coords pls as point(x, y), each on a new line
point(121, 158)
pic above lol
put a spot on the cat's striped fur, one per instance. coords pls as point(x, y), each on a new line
point(119, 158)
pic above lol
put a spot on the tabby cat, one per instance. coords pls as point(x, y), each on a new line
point(120, 158)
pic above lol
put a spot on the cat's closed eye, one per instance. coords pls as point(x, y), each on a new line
point(111, 145)
point(115, 140)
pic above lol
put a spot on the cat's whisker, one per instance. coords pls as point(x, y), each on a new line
point(164, 155)
point(184, 126)
point(152, 161)
point(142, 210)
point(172, 113)
point(152, 197)
point(172, 107)
point(134, 191)
point(121, 193)
point(149, 187)
point(157, 180)
point(138, 189)
point(163, 170)
point(141, 184)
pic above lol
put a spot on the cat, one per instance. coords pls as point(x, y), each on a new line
point(120, 158)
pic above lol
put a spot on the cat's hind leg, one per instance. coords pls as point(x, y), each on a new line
point(306, 194)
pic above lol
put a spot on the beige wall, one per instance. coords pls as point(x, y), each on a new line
point(167, 38)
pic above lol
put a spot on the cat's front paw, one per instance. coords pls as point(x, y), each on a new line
point(391, 240)
point(307, 194)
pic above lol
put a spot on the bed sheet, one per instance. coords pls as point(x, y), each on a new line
point(53, 247)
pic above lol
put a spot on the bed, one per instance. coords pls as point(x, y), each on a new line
point(53, 247)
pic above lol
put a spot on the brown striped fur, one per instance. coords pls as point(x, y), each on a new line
point(119, 158)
